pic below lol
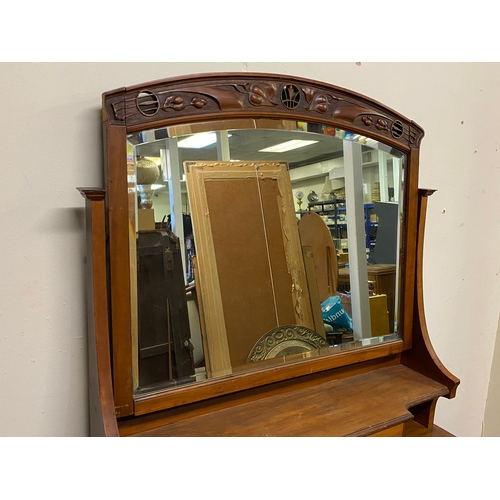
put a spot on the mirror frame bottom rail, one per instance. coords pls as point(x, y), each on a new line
point(253, 379)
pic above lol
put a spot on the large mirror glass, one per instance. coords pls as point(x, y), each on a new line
point(259, 242)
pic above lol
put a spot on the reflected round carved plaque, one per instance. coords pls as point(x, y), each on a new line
point(285, 341)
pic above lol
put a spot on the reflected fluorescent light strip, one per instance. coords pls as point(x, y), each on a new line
point(286, 146)
point(199, 141)
point(154, 187)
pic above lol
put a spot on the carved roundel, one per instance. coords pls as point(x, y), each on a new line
point(290, 96)
point(397, 129)
point(147, 103)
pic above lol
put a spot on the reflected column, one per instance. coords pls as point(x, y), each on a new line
point(171, 172)
point(355, 217)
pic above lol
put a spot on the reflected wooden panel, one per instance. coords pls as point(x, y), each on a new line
point(314, 233)
point(251, 272)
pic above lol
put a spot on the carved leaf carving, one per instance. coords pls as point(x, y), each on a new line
point(382, 125)
point(174, 102)
point(261, 94)
point(367, 120)
point(318, 101)
point(224, 98)
point(178, 103)
point(198, 102)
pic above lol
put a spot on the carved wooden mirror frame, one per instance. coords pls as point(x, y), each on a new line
point(207, 97)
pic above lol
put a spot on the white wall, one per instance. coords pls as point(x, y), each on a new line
point(51, 143)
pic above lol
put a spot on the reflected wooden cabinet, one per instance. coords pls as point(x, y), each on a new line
point(382, 278)
point(167, 312)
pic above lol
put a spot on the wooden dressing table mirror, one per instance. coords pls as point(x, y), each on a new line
point(207, 314)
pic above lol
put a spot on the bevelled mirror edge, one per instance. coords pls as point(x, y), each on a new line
point(250, 95)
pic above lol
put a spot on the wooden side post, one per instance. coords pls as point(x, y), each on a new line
point(101, 404)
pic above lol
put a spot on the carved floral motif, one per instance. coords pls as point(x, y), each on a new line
point(247, 94)
point(382, 125)
point(178, 103)
point(318, 101)
point(261, 94)
point(367, 120)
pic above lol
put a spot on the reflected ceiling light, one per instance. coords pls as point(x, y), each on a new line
point(286, 146)
point(198, 141)
point(154, 187)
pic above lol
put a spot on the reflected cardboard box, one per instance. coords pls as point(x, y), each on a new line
point(379, 314)
point(146, 219)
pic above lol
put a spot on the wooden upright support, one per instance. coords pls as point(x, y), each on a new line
point(101, 403)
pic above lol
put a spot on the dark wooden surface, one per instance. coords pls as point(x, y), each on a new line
point(413, 429)
point(101, 404)
point(422, 356)
point(353, 406)
point(119, 267)
point(342, 362)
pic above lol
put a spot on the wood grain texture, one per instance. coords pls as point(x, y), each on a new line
point(119, 267)
point(203, 97)
point(422, 356)
point(150, 420)
point(408, 249)
point(414, 429)
point(312, 284)
point(268, 375)
point(354, 406)
point(101, 404)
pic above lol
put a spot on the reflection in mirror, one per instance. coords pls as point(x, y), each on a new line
point(209, 225)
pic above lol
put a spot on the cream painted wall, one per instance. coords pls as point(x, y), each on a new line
point(492, 411)
point(51, 143)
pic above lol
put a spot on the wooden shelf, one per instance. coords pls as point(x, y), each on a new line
point(372, 403)
point(412, 429)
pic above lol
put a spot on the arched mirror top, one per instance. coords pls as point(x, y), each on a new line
point(235, 95)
